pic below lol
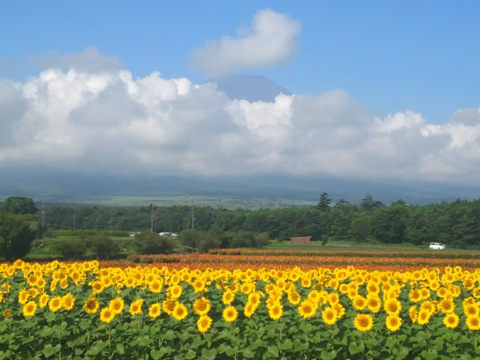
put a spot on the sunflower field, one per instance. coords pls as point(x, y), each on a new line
point(92, 310)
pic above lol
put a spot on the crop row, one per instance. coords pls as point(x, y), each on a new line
point(232, 262)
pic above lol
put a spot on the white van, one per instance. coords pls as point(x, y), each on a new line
point(437, 246)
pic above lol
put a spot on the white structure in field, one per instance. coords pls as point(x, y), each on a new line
point(167, 233)
point(437, 246)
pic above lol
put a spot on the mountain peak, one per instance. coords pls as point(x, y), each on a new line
point(250, 88)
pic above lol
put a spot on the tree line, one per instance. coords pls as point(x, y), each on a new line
point(455, 223)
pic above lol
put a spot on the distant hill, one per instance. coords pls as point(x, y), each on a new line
point(71, 187)
point(250, 88)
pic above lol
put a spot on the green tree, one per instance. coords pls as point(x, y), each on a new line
point(148, 242)
point(199, 240)
point(368, 203)
point(360, 228)
point(324, 202)
point(390, 223)
point(242, 239)
point(262, 239)
point(70, 249)
point(16, 236)
point(19, 205)
point(103, 247)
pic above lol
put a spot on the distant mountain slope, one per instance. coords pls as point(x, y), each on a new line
point(58, 186)
point(250, 88)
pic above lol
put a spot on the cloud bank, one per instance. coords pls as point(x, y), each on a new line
point(270, 41)
point(111, 123)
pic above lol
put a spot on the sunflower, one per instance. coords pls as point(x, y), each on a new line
point(249, 309)
point(307, 309)
point(424, 293)
point(314, 296)
point(130, 282)
point(230, 314)
point(247, 288)
point(180, 311)
point(174, 291)
point(473, 322)
point(29, 309)
point(63, 283)
point(33, 293)
point(329, 315)
point(107, 315)
point(442, 292)
point(32, 280)
point(68, 301)
point(470, 309)
point(91, 305)
point(254, 298)
point(373, 288)
point(168, 306)
point(446, 306)
point(155, 310)
point(374, 304)
point(469, 284)
point(293, 297)
point(201, 306)
point(106, 281)
point(434, 285)
point(414, 295)
point(340, 310)
point(413, 313)
point(363, 322)
point(451, 320)
point(392, 306)
point(423, 317)
point(23, 296)
point(333, 298)
point(428, 306)
point(198, 286)
point(275, 311)
point(476, 292)
point(55, 303)
point(97, 287)
point(136, 307)
point(306, 282)
point(359, 302)
point(269, 288)
point(393, 322)
point(204, 323)
point(386, 286)
point(43, 300)
point(227, 297)
point(343, 288)
point(272, 299)
point(7, 313)
point(155, 286)
point(116, 305)
point(333, 283)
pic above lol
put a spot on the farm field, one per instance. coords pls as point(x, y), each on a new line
point(245, 304)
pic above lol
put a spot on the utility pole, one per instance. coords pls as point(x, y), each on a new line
point(153, 214)
point(43, 215)
point(192, 215)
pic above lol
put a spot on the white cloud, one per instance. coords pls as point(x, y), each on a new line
point(270, 41)
point(88, 60)
point(110, 122)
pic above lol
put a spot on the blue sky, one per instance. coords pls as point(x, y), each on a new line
point(403, 74)
point(391, 55)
